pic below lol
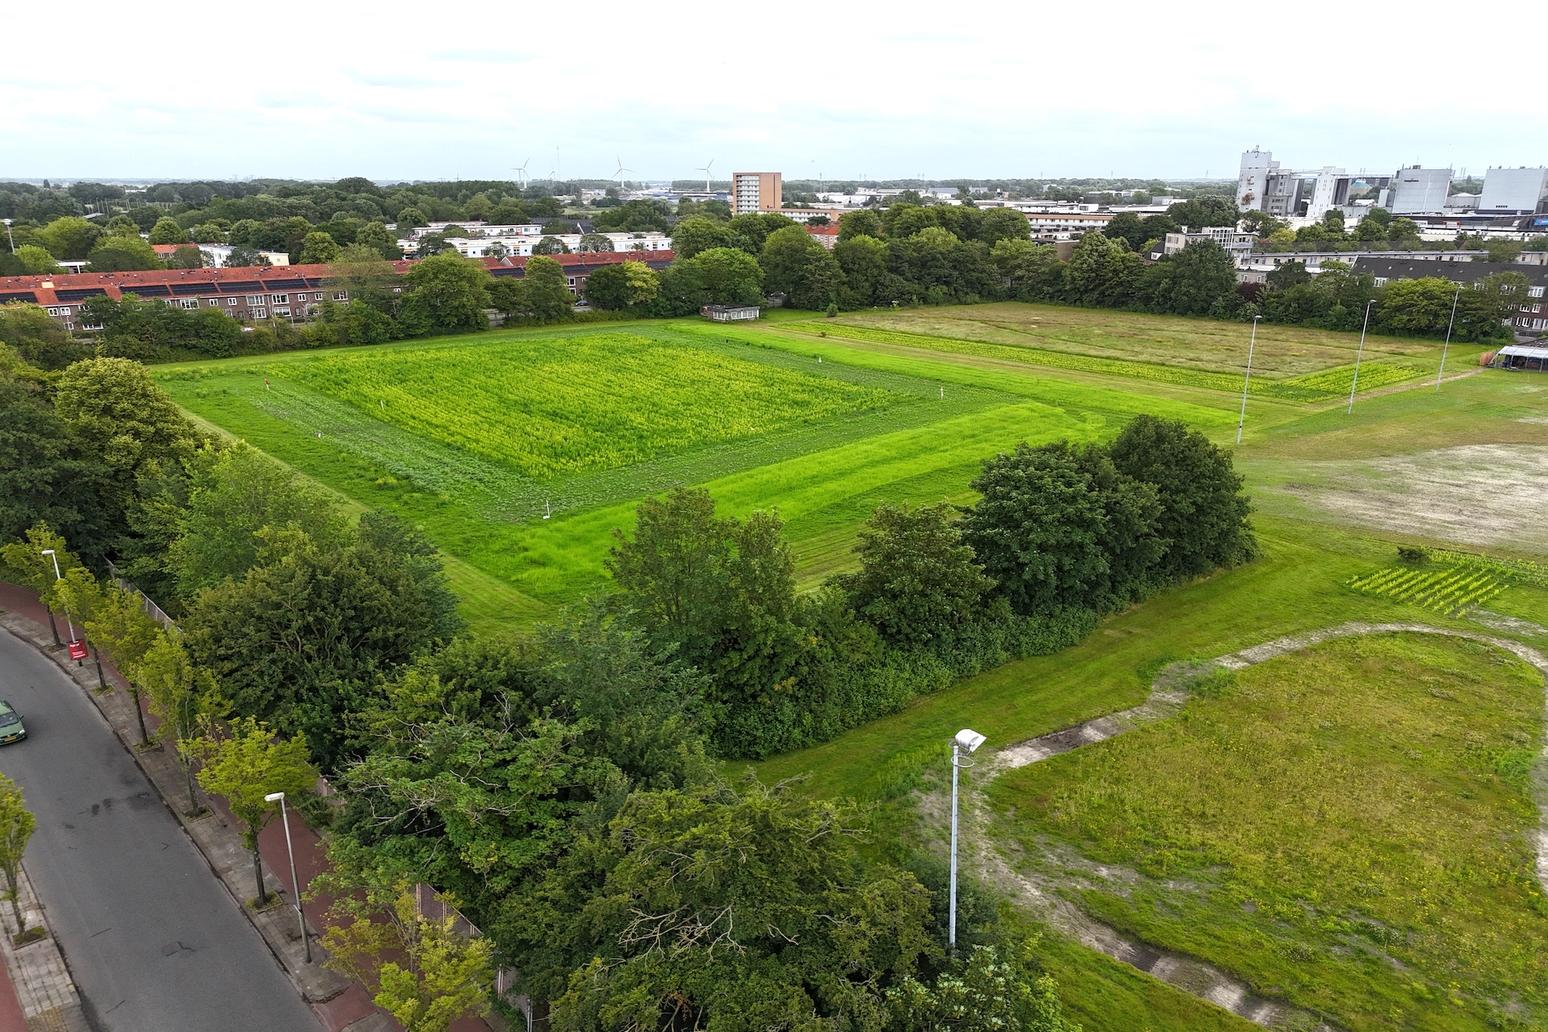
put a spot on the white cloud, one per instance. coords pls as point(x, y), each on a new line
point(404, 91)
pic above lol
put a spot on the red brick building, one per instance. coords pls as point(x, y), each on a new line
point(294, 292)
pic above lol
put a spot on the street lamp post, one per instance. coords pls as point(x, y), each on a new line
point(1358, 352)
point(1447, 346)
point(1251, 343)
point(53, 626)
point(8, 234)
point(295, 883)
point(69, 625)
point(970, 740)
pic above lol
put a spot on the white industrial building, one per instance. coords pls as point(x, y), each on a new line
point(1419, 191)
point(1514, 191)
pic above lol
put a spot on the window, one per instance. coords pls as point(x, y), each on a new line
point(59, 311)
point(1381, 281)
point(254, 299)
point(279, 299)
point(340, 295)
point(189, 303)
point(213, 302)
point(231, 302)
point(282, 312)
point(260, 313)
point(1535, 291)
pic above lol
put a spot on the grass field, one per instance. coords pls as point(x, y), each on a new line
point(1349, 829)
point(520, 453)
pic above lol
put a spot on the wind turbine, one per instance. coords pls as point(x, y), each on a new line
point(706, 170)
point(521, 172)
point(619, 174)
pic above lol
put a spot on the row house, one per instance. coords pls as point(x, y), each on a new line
point(294, 292)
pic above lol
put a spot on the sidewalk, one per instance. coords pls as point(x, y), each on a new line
point(44, 994)
point(339, 1003)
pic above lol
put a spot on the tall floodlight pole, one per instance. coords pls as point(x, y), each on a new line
point(1447, 346)
point(1252, 342)
point(970, 740)
point(8, 235)
point(295, 883)
point(1355, 382)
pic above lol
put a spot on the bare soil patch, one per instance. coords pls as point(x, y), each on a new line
point(1483, 494)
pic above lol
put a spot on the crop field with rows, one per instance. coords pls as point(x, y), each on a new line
point(1452, 590)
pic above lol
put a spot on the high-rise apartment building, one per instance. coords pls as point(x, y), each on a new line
point(755, 191)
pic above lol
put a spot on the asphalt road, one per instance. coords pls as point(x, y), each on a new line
point(152, 938)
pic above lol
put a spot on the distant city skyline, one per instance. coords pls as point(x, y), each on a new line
point(219, 93)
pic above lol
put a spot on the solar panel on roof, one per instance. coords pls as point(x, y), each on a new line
point(285, 284)
point(25, 295)
point(191, 288)
point(146, 290)
point(79, 293)
point(241, 287)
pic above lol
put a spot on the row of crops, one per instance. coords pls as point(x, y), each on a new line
point(1451, 590)
point(1323, 385)
point(1523, 571)
point(550, 407)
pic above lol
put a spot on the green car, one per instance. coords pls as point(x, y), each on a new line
point(11, 729)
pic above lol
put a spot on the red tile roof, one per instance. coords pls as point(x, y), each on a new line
point(167, 250)
point(46, 287)
point(831, 229)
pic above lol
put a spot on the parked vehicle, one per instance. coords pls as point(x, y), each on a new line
point(11, 727)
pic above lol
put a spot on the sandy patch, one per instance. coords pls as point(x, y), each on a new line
point(1481, 494)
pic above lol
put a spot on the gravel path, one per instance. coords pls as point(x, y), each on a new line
point(1168, 693)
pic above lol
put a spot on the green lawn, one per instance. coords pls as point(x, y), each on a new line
point(1188, 343)
point(1348, 828)
point(521, 452)
point(518, 483)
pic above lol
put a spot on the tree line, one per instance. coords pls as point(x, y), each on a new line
point(554, 784)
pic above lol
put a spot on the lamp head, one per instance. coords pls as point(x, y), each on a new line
point(969, 739)
point(48, 551)
point(274, 797)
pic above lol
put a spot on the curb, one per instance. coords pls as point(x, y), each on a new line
point(45, 987)
point(24, 629)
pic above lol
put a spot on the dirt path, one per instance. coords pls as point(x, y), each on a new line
point(1167, 695)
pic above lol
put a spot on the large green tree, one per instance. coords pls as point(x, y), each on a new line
point(234, 492)
point(917, 582)
point(800, 268)
point(122, 254)
point(124, 424)
point(445, 293)
point(167, 231)
point(243, 764)
point(721, 591)
point(1058, 528)
point(343, 616)
point(736, 908)
point(626, 285)
point(1202, 521)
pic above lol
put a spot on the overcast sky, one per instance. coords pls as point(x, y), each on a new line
point(469, 89)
